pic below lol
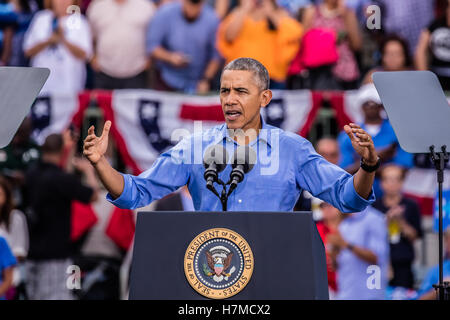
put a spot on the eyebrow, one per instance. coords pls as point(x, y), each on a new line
point(237, 89)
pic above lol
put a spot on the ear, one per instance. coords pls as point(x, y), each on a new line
point(266, 97)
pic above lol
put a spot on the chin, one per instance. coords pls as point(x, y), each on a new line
point(234, 125)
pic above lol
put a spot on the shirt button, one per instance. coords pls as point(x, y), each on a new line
point(240, 200)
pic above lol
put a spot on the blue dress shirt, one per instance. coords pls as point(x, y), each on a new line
point(286, 165)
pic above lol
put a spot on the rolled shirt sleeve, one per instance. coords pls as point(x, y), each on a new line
point(329, 182)
point(125, 200)
point(352, 199)
point(169, 172)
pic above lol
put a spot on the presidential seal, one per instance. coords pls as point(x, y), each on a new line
point(218, 263)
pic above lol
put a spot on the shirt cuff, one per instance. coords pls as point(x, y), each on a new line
point(123, 200)
point(353, 200)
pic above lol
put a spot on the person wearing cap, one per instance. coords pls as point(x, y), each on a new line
point(181, 39)
point(380, 130)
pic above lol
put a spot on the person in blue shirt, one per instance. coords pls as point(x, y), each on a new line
point(426, 290)
point(7, 263)
point(360, 252)
point(285, 165)
point(380, 130)
point(182, 39)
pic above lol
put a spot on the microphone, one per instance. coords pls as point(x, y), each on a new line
point(244, 159)
point(214, 160)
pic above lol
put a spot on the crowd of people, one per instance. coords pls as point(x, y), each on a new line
point(181, 46)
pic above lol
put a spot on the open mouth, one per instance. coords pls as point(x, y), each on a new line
point(232, 115)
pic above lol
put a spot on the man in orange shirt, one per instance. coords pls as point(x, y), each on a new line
point(259, 29)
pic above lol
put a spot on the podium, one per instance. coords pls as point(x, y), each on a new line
point(227, 255)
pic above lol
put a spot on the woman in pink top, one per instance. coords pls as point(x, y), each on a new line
point(332, 14)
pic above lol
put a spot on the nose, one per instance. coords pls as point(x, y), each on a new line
point(230, 99)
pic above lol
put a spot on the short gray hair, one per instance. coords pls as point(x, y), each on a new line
point(249, 64)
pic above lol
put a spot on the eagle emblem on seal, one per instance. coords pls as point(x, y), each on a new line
point(219, 262)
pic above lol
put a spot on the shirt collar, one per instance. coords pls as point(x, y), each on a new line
point(264, 136)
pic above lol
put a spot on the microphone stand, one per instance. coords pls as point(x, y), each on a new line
point(223, 197)
point(236, 176)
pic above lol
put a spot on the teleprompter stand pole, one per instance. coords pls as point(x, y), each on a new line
point(440, 159)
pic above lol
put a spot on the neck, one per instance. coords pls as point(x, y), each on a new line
point(330, 6)
point(190, 20)
point(249, 132)
point(374, 121)
point(51, 158)
point(255, 124)
point(258, 13)
point(392, 199)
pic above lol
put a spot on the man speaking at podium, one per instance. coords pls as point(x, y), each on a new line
point(244, 90)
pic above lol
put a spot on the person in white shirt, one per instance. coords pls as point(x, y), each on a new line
point(59, 38)
point(119, 28)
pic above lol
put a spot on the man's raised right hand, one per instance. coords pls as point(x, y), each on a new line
point(95, 147)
